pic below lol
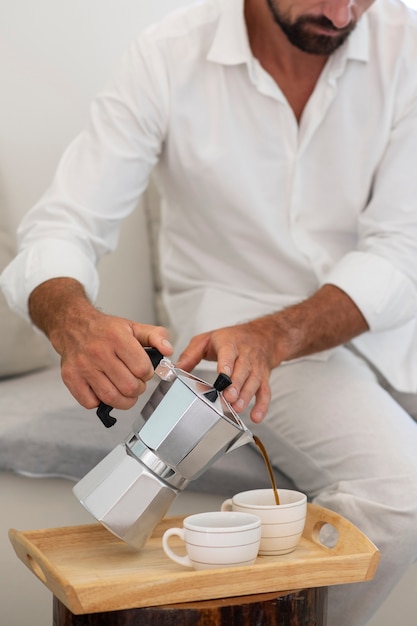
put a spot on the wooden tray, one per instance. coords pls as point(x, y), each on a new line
point(90, 570)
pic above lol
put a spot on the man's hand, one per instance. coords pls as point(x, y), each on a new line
point(248, 352)
point(244, 352)
point(102, 358)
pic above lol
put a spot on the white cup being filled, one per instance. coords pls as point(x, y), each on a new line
point(282, 524)
point(216, 539)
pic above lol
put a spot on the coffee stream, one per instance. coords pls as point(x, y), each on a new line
point(268, 467)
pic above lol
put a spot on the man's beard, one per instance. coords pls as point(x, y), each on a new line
point(300, 35)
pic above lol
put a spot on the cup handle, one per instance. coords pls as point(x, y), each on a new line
point(181, 560)
point(227, 505)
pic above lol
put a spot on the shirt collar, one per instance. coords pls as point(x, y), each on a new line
point(356, 48)
point(231, 45)
point(358, 43)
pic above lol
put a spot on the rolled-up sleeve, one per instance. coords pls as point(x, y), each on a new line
point(42, 261)
point(381, 274)
point(385, 296)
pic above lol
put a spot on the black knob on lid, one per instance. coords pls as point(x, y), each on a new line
point(222, 382)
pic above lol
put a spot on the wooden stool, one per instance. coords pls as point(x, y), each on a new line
point(293, 608)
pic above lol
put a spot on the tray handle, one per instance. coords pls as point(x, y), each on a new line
point(33, 558)
point(348, 539)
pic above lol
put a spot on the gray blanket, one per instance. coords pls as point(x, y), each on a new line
point(44, 432)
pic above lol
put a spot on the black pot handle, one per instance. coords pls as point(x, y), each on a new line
point(103, 410)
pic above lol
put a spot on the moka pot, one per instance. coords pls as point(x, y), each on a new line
point(188, 426)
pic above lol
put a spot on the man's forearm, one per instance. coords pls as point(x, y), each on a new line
point(327, 319)
point(56, 304)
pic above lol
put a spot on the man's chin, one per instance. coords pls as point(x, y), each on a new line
point(319, 43)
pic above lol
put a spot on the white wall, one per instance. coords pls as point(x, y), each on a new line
point(54, 56)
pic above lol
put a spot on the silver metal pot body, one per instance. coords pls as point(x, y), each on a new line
point(188, 426)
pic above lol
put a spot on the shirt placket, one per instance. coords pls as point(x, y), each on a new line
point(312, 119)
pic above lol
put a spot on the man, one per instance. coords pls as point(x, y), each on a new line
point(283, 137)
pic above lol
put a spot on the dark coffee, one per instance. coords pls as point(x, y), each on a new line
point(268, 467)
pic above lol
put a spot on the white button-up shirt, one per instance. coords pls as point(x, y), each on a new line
point(258, 210)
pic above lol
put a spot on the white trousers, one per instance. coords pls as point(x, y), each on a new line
point(341, 437)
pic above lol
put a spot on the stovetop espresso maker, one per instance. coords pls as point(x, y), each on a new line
point(188, 426)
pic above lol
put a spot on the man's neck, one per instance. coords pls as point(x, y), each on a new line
point(296, 72)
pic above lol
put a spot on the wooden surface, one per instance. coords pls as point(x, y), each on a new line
point(90, 570)
point(306, 607)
